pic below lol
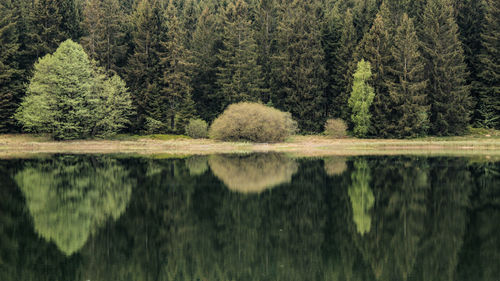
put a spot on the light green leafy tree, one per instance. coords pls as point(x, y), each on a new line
point(361, 99)
point(68, 98)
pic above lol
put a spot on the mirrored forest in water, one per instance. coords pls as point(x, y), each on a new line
point(249, 217)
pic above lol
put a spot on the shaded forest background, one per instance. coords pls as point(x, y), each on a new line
point(435, 63)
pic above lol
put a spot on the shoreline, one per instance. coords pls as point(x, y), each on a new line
point(26, 145)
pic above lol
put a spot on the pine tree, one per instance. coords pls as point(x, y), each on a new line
point(376, 49)
point(103, 22)
point(489, 77)
point(175, 83)
point(408, 99)
point(10, 73)
point(470, 20)
point(239, 77)
point(143, 73)
point(361, 99)
point(53, 22)
point(299, 71)
point(205, 45)
point(340, 42)
point(445, 69)
point(265, 26)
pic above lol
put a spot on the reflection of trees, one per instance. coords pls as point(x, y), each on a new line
point(70, 197)
point(197, 165)
point(253, 173)
point(183, 227)
point(392, 246)
point(361, 196)
point(450, 189)
point(335, 166)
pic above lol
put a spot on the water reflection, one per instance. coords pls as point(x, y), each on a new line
point(70, 197)
point(253, 173)
point(383, 218)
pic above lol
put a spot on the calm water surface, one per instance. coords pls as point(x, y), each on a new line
point(249, 217)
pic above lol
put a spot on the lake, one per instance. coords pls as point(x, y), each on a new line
point(249, 217)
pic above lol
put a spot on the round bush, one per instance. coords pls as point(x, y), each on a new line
point(335, 128)
point(252, 122)
point(197, 129)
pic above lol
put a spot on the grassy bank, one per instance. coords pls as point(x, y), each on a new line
point(485, 143)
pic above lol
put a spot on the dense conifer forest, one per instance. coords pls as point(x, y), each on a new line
point(434, 64)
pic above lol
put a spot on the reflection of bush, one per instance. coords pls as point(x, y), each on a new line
point(69, 198)
point(253, 173)
point(197, 165)
point(335, 166)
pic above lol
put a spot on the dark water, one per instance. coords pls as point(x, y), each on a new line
point(252, 217)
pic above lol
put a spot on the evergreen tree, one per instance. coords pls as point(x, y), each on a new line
point(361, 99)
point(205, 45)
point(265, 26)
point(445, 69)
point(103, 22)
point(175, 83)
point(10, 73)
point(489, 77)
point(376, 49)
point(239, 76)
point(470, 20)
point(407, 92)
point(299, 71)
point(53, 22)
point(143, 72)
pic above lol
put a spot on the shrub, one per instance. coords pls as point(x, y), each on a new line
point(153, 126)
point(252, 122)
point(197, 129)
point(335, 128)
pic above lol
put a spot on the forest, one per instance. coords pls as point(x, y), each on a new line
point(409, 68)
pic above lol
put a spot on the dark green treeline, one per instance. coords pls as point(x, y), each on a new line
point(435, 63)
point(362, 218)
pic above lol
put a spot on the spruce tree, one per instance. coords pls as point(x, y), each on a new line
point(103, 22)
point(407, 93)
point(489, 77)
point(340, 47)
point(175, 63)
point(265, 26)
point(445, 70)
point(10, 73)
point(299, 71)
point(470, 20)
point(239, 77)
point(205, 45)
point(376, 49)
point(143, 72)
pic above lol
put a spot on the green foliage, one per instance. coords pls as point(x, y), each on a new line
point(299, 72)
point(69, 199)
point(489, 76)
point(252, 122)
point(361, 99)
point(336, 128)
point(409, 114)
point(361, 195)
point(10, 72)
point(197, 129)
point(445, 69)
point(69, 99)
point(239, 77)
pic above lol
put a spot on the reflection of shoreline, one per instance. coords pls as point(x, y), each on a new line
point(70, 197)
point(253, 173)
